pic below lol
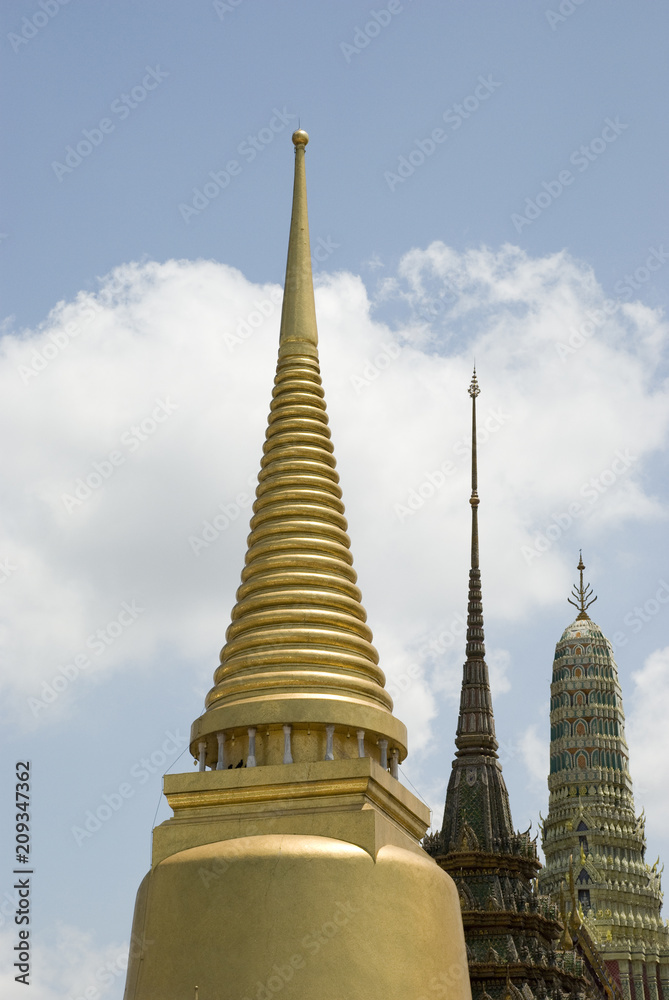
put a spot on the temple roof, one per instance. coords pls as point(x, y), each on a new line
point(583, 628)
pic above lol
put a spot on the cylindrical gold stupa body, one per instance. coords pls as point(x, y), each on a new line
point(293, 864)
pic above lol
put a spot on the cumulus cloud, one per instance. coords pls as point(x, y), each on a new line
point(535, 752)
point(649, 740)
point(66, 963)
point(138, 415)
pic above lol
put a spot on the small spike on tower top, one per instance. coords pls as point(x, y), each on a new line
point(583, 595)
point(474, 390)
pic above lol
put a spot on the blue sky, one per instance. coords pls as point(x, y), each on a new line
point(484, 180)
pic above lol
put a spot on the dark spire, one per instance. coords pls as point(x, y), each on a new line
point(477, 801)
point(506, 922)
point(476, 724)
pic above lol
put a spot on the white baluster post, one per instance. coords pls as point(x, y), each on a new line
point(361, 742)
point(287, 755)
point(329, 747)
point(251, 759)
point(394, 762)
point(220, 763)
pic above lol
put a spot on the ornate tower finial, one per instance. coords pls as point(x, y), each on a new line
point(583, 594)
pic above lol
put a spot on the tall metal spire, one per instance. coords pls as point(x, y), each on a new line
point(298, 654)
point(582, 594)
point(299, 333)
point(476, 724)
point(477, 802)
point(474, 390)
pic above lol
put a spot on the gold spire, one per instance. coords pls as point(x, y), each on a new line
point(299, 334)
point(583, 594)
point(298, 652)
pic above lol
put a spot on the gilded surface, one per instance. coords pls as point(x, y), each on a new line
point(296, 874)
point(298, 650)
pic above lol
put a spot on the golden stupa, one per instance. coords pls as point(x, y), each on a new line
point(300, 872)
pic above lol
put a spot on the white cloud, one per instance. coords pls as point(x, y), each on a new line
point(498, 661)
point(65, 964)
point(648, 739)
point(185, 352)
point(535, 756)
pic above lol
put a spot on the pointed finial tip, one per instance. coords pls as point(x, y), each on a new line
point(300, 137)
point(584, 596)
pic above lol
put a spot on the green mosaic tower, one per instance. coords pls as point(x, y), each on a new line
point(593, 841)
point(513, 933)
